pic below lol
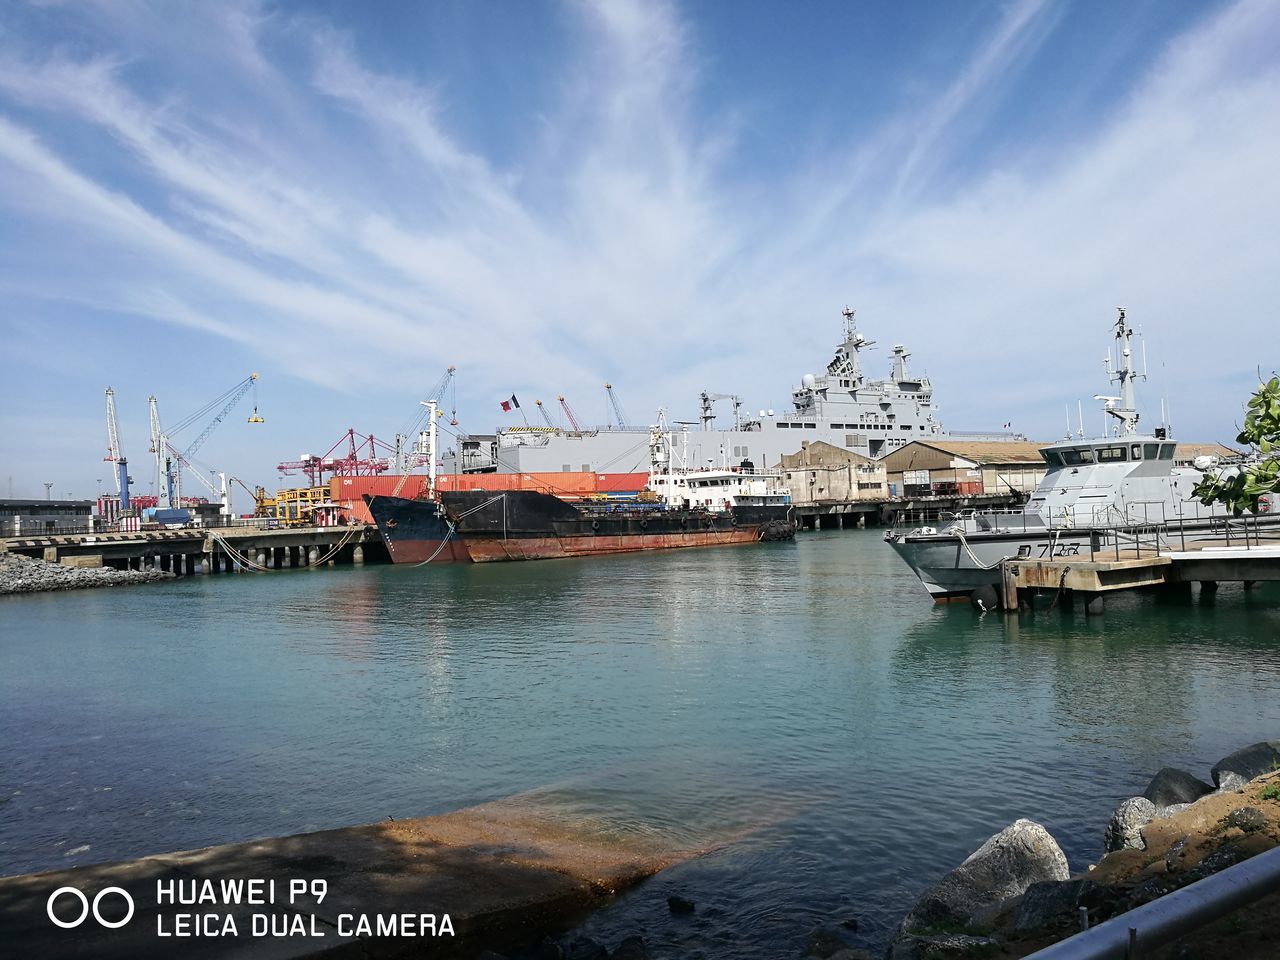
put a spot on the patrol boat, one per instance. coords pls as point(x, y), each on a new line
point(843, 407)
point(1124, 482)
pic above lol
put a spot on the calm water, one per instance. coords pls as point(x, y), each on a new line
point(807, 699)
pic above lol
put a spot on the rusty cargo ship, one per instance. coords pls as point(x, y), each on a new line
point(678, 508)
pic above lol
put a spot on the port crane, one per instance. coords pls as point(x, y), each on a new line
point(405, 462)
point(573, 421)
point(361, 459)
point(424, 425)
point(617, 407)
point(169, 460)
point(121, 465)
point(546, 416)
point(708, 416)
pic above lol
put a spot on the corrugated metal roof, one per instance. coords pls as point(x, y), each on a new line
point(1189, 451)
point(986, 451)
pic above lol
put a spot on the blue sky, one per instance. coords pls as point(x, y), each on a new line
point(346, 198)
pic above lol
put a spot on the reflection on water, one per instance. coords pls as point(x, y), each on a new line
point(799, 711)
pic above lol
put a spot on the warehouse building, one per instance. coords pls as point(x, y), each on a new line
point(951, 468)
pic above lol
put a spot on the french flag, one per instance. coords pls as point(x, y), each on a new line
point(509, 405)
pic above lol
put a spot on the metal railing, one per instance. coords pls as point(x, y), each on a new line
point(1131, 538)
point(1140, 931)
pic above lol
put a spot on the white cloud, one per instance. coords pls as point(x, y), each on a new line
point(632, 239)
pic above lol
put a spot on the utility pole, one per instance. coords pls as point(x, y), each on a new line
point(48, 491)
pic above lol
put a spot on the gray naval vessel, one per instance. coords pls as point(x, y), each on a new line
point(843, 407)
point(1125, 483)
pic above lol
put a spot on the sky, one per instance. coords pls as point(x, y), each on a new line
point(347, 198)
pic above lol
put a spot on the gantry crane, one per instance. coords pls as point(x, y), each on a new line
point(120, 468)
point(617, 407)
point(361, 459)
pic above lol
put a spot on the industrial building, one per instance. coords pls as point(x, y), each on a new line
point(948, 468)
point(824, 473)
point(25, 517)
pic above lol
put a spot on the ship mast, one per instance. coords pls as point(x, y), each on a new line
point(1126, 412)
point(846, 363)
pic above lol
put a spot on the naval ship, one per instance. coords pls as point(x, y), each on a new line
point(843, 407)
point(1123, 483)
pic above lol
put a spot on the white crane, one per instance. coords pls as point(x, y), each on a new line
point(120, 468)
point(169, 460)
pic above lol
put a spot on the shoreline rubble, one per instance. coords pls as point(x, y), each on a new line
point(21, 574)
point(1179, 831)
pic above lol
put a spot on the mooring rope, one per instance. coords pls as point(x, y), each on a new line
point(443, 543)
point(244, 561)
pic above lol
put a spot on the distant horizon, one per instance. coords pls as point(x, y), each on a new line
point(670, 197)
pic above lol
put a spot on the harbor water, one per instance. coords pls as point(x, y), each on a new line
point(801, 712)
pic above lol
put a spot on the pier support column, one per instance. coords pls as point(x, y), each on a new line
point(1094, 604)
point(357, 556)
point(313, 554)
point(862, 521)
point(1009, 586)
point(206, 564)
point(817, 522)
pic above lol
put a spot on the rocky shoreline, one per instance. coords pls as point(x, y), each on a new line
point(1015, 894)
point(19, 574)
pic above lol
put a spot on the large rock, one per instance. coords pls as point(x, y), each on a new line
point(1172, 785)
point(1021, 854)
point(1235, 770)
point(1052, 903)
point(1125, 827)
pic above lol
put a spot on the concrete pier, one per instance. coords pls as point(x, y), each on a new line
point(504, 873)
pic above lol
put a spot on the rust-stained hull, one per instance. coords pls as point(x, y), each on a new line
point(415, 531)
point(481, 527)
point(526, 525)
point(544, 548)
